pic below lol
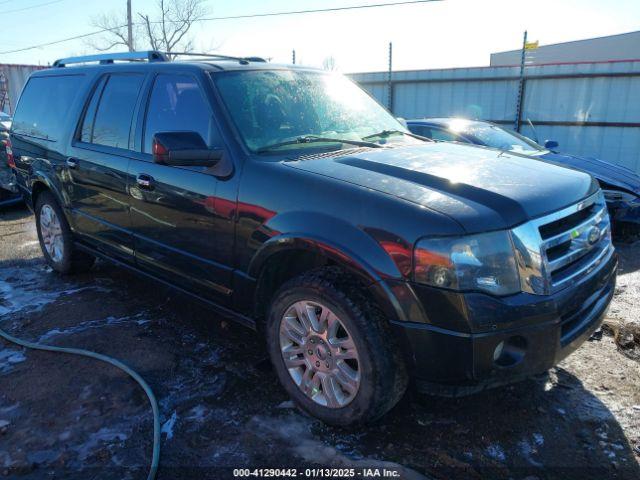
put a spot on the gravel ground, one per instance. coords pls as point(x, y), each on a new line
point(67, 417)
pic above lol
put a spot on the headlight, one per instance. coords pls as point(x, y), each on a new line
point(482, 262)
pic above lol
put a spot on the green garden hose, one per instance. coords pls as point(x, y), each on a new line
point(118, 364)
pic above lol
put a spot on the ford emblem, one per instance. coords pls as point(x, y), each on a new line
point(593, 236)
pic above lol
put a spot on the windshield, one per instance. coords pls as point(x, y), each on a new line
point(497, 137)
point(276, 106)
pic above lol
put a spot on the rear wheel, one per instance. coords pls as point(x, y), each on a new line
point(56, 238)
point(332, 350)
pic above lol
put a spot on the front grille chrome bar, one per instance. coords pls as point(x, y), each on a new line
point(547, 265)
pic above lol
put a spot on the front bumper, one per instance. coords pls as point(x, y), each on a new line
point(544, 329)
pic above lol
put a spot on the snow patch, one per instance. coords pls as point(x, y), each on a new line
point(90, 325)
point(197, 414)
point(167, 427)
point(527, 451)
point(104, 435)
point(496, 452)
point(295, 431)
point(23, 290)
point(9, 357)
point(538, 439)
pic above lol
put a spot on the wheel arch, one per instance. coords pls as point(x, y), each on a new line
point(303, 247)
point(39, 183)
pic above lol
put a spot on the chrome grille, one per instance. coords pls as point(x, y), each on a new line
point(555, 250)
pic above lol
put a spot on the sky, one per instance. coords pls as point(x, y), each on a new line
point(445, 34)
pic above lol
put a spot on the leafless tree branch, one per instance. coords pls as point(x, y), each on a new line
point(166, 30)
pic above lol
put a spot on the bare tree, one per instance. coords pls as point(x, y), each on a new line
point(116, 34)
point(166, 29)
point(329, 63)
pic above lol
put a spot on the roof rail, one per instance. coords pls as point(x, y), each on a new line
point(206, 56)
point(108, 58)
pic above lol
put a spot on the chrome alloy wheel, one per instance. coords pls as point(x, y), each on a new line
point(51, 232)
point(319, 354)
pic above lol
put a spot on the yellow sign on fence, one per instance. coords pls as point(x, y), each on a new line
point(531, 45)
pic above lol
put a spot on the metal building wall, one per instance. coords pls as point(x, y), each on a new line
point(625, 46)
point(16, 77)
point(591, 109)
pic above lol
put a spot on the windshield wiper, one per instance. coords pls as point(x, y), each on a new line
point(316, 139)
point(388, 133)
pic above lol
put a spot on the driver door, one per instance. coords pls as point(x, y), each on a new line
point(181, 234)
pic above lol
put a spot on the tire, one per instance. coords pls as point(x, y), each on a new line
point(53, 228)
point(380, 377)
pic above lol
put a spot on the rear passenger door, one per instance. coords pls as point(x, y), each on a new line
point(183, 229)
point(98, 163)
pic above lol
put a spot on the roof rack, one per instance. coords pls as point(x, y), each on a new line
point(108, 58)
point(213, 56)
point(150, 56)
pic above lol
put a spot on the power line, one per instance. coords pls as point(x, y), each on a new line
point(30, 7)
point(319, 10)
point(233, 17)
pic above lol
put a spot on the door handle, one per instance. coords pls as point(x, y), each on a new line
point(144, 181)
point(72, 162)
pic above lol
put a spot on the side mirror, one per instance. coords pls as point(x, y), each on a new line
point(551, 144)
point(183, 149)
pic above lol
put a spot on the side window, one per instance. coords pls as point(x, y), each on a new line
point(116, 103)
point(177, 104)
point(45, 105)
point(420, 130)
point(444, 135)
point(90, 115)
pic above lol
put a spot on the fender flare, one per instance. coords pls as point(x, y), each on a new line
point(370, 263)
point(38, 176)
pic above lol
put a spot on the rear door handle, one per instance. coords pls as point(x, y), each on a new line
point(144, 181)
point(72, 162)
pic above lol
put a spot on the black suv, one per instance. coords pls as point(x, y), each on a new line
point(289, 199)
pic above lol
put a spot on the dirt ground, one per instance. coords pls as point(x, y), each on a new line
point(68, 417)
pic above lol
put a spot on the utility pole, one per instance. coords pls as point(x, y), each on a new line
point(129, 27)
point(293, 56)
point(389, 83)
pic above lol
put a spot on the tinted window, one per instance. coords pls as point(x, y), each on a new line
point(115, 111)
point(443, 135)
point(420, 130)
point(177, 104)
point(435, 133)
point(497, 137)
point(45, 104)
point(90, 115)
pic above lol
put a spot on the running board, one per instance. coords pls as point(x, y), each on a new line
point(219, 309)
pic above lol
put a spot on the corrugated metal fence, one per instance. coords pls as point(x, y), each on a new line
point(591, 109)
point(12, 79)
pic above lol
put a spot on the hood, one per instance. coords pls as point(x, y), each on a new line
point(615, 175)
point(480, 188)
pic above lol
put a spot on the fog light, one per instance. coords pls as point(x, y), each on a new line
point(510, 352)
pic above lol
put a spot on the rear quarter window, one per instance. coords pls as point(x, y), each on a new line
point(44, 106)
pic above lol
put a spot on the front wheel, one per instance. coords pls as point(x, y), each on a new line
point(332, 350)
point(56, 238)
